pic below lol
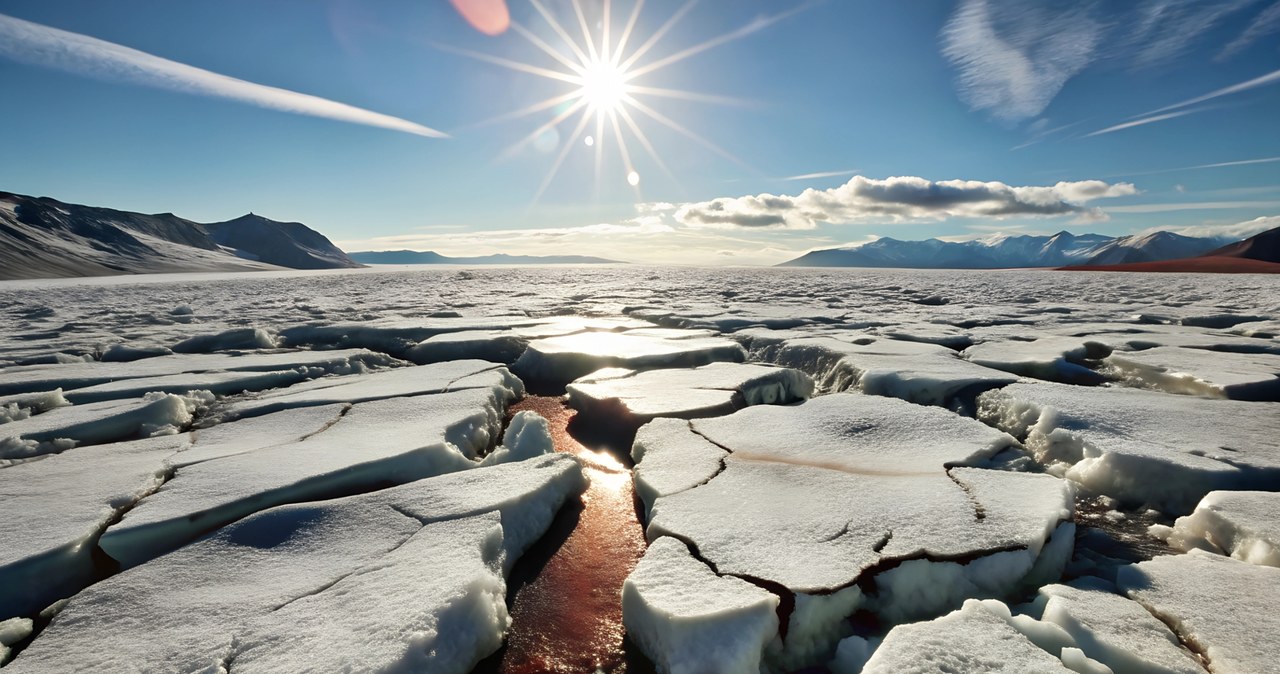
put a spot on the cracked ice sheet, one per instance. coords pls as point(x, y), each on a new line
point(217, 383)
point(922, 373)
point(1242, 524)
point(1136, 337)
point(1238, 376)
point(58, 506)
point(396, 382)
point(1223, 608)
point(1052, 358)
point(688, 619)
point(563, 359)
point(31, 378)
point(670, 458)
point(974, 640)
point(315, 580)
point(881, 466)
point(62, 428)
point(374, 444)
point(1163, 450)
point(1115, 630)
point(710, 390)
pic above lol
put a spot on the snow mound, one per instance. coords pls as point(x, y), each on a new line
point(228, 340)
point(127, 353)
point(26, 405)
point(975, 639)
point(371, 445)
point(1223, 608)
point(632, 398)
point(1242, 524)
point(12, 631)
point(688, 620)
point(1140, 446)
point(498, 346)
point(95, 423)
point(560, 360)
point(407, 578)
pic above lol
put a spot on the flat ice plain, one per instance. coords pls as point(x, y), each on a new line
point(835, 470)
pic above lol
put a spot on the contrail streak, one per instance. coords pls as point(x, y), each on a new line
point(48, 47)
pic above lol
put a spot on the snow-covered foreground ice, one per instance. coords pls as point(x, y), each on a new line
point(1241, 524)
point(899, 530)
point(1223, 608)
point(316, 501)
point(1143, 447)
point(632, 398)
point(400, 579)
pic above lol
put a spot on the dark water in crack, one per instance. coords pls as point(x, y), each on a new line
point(565, 594)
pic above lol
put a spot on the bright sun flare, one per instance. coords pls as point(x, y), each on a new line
point(605, 92)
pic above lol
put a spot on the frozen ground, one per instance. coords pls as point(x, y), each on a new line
point(851, 470)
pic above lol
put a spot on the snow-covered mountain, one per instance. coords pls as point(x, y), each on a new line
point(432, 257)
point(1002, 251)
point(287, 244)
point(42, 237)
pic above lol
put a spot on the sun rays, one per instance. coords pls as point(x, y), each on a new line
point(605, 106)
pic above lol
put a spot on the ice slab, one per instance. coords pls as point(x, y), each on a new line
point(922, 373)
point(59, 506)
point(25, 405)
point(1238, 376)
point(32, 378)
point(395, 382)
point(671, 458)
point(1242, 524)
point(498, 346)
point(1139, 446)
point(217, 383)
point(894, 509)
point(560, 360)
point(688, 620)
point(372, 582)
point(973, 640)
point(1116, 631)
point(371, 445)
point(94, 423)
point(12, 631)
point(1223, 608)
point(395, 335)
point(632, 398)
point(227, 340)
point(127, 353)
point(1053, 358)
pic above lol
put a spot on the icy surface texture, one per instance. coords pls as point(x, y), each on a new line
point(66, 427)
point(1052, 358)
point(408, 578)
point(1242, 524)
point(559, 360)
point(922, 373)
point(632, 398)
point(1223, 608)
point(926, 534)
point(689, 620)
point(1239, 376)
point(366, 446)
point(1143, 447)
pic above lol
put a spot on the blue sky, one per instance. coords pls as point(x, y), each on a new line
point(950, 119)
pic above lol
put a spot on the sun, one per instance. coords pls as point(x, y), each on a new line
point(604, 86)
point(604, 72)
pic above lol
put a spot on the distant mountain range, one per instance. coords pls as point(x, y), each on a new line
point(431, 257)
point(1257, 254)
point(42, 237)
point(1004, 252)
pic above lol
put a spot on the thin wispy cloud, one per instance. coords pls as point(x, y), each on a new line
point(1266, 23)
point(1194, 206)
point(40, 45)
point(1165, 30)
point(1013, 58)
point(1239, 230)
point(1144, 121)
point(1262, 81)
point(1221, 164)
point(822, 174)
